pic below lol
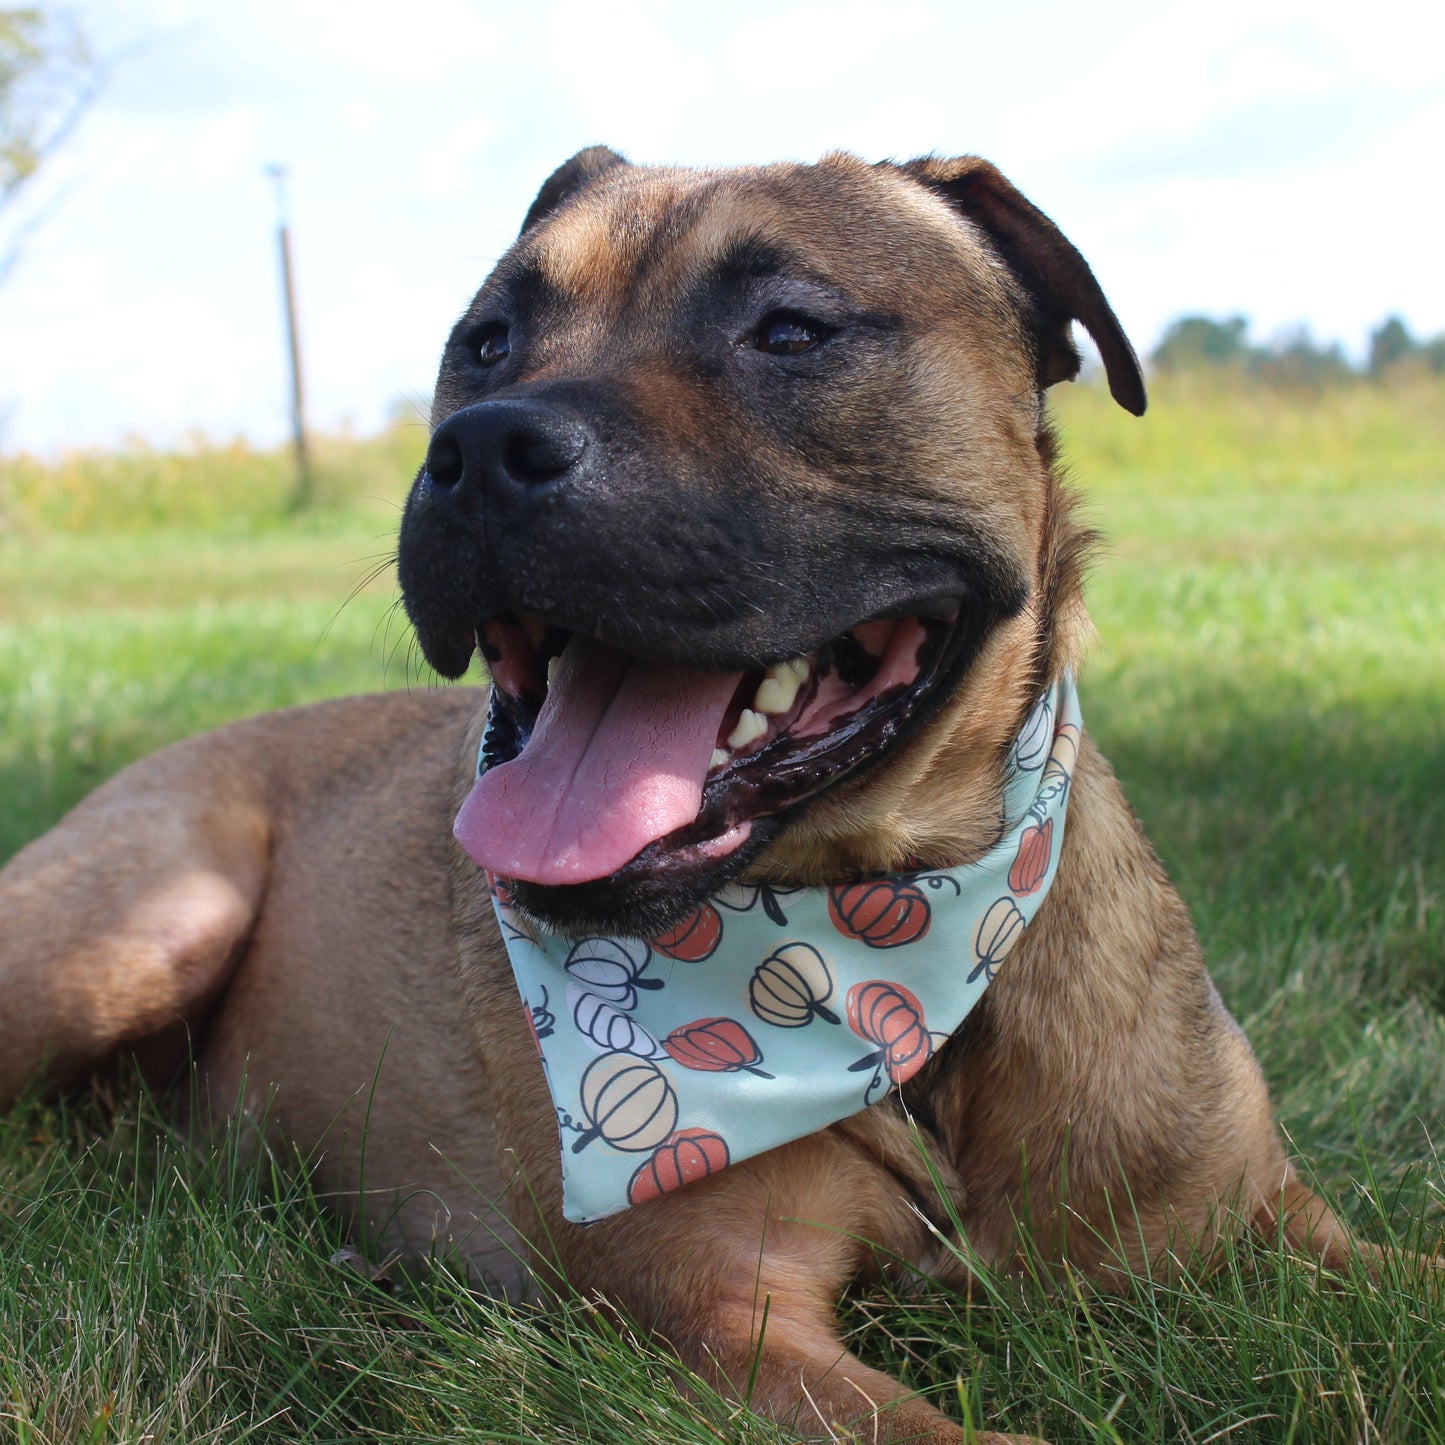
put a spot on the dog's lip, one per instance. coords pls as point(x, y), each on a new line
point(934, 606)
point(672, 859)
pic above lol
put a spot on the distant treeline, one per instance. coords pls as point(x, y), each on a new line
point(1295, 359)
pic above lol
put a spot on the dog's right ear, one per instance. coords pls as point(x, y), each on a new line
point(1059, 280)
point(568, 179)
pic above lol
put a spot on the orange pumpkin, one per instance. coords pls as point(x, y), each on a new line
point(695, 938)
point(715, 1046)
point(889, 1015)
point(683, 1157)
point(1036, 847)
point(540, 1020)
point(882, 912)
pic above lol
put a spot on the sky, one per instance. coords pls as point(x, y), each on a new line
point(1275, 159)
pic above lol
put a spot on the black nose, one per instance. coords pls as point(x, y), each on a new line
point(505, 445)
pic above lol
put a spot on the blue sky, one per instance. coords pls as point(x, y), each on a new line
point(1276, 159)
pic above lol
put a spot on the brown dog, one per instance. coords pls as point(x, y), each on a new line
point(696, 424)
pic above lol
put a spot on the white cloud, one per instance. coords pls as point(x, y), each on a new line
point(360, 117)
point(447, 169)
point(1266, 159)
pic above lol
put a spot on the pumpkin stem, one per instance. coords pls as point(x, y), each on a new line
point(579, 1144)
point(772, 907)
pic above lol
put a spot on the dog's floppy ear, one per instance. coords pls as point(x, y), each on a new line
point(568, 179)
point(1055, 274)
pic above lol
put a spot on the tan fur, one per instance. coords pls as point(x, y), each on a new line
point(286, 893)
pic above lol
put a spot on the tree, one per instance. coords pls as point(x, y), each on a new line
point(1195, 341)
point(1390, 344)
point(47, 80)
point(1295, 359)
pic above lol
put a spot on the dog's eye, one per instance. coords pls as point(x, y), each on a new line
point(493, 345)
point(784, 333)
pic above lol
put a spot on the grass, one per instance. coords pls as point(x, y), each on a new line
point(1268, 685)
point(118, 636)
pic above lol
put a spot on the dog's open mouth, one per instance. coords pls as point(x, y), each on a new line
point(605, 765)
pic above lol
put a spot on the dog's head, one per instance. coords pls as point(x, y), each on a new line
point(740, 482)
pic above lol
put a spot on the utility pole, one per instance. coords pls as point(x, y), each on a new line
point(304, 489)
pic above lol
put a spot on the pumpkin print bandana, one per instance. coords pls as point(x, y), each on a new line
point(773, 1012)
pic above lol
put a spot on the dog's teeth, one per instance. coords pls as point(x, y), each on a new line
point(778, 689)
point(552, 669)
point(750, 727)
point(719, 759)
point(773, 696)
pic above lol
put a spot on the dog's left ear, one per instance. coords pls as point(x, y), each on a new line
point(1054, 273)
point(568, 179)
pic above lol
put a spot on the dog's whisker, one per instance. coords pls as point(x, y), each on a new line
point(379, 567)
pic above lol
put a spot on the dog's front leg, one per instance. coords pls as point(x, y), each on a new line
point(780, 1353)
point(741, 1274)
point(121, 925)
point(1302, 1221)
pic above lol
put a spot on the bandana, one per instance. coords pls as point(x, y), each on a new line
point(771, 1013)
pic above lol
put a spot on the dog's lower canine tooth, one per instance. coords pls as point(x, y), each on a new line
point(778, 689)
point(552, 669)
point(749, 728)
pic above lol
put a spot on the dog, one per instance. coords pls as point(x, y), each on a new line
point(742, 483)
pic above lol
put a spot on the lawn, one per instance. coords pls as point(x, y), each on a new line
point(1269, 683)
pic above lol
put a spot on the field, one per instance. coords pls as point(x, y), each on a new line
point(1269, 683)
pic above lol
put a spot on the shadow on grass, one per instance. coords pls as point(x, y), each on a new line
point(1274, 815)
point(1310, 844)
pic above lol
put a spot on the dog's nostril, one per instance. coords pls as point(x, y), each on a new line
point(444, 463)
point(542, 455)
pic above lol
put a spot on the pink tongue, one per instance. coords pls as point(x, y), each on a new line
point(617, 760)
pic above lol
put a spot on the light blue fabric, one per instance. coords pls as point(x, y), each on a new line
point(772, 1013)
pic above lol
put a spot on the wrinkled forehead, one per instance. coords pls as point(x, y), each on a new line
point(641, 235)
